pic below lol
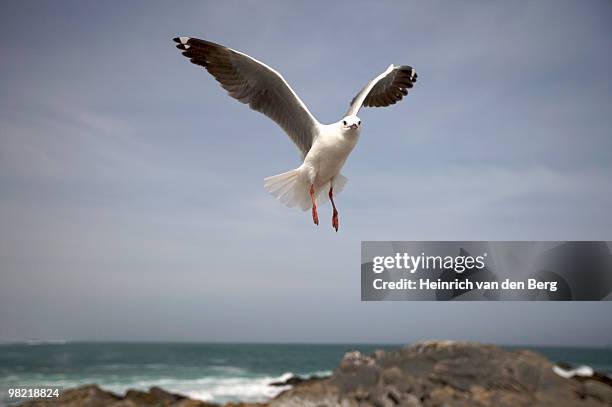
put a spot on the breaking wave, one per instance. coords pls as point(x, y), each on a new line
point(213, 389)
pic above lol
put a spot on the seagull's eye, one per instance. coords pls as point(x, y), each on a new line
point(344, 122)
point(359, 122)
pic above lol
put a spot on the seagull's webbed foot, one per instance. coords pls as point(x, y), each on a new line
point(335, 223)
point(315, 216)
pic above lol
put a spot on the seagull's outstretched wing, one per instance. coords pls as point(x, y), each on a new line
point(386, 89)
point(252, 82)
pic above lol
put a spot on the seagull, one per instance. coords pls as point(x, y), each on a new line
point(324, 147)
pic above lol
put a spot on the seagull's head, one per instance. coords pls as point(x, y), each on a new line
point(351, 123)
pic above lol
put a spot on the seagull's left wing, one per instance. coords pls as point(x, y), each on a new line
point(386, 89)
point(256, 84)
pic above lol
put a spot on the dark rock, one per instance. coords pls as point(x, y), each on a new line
point(89, 395)
point(93, 396)
point(154, 397)
point(296, 380)
point(598, 390)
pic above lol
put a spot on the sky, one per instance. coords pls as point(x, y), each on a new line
point(131, 187)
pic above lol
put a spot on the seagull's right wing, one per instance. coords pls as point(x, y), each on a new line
point(252, 82)
point(386, 89)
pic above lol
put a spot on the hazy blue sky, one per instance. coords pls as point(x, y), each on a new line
point(131, 187)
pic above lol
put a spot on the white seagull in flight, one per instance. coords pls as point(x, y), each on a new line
point(324, 147)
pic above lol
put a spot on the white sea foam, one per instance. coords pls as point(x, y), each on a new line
point(228, 370)
point(583, 371)
point(243, 389)
point(218, 389)
point(318, 373)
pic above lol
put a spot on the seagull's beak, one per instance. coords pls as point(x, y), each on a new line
point(353, 126)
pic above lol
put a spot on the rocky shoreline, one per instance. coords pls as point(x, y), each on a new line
point(427, 374)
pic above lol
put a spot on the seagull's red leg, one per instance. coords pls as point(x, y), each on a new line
point(335, 215)
point(315, 216)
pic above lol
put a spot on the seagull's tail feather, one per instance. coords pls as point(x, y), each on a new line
point(290, 188)
point(293, 189)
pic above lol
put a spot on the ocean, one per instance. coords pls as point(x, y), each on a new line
point(209, 372)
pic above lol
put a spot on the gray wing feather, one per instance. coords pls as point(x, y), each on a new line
point(386, 89)
point(256, 84)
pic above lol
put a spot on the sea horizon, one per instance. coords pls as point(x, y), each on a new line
point(34, 342)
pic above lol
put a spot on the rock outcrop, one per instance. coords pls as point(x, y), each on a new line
point(444, 373)
point(92, 396)
point(427, 374)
